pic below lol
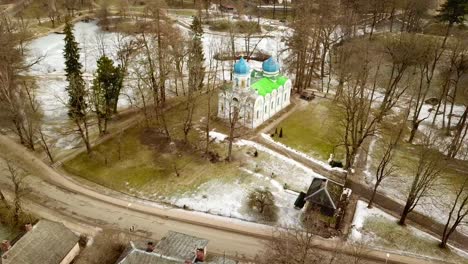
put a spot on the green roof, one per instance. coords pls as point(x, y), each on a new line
point(266, 85)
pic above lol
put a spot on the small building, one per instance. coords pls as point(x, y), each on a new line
point(255, 95)
point(324, 195)
point(45, 242)
point(172, 249)
point(226, 7)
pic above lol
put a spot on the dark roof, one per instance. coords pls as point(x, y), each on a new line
point(324, 192)
point(180, 246)
point(48, 242)
point(135, 255)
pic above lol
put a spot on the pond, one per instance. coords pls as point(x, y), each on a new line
point(49, 71)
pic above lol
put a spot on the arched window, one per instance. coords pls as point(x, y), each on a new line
point(272, 105)
point(258, 114)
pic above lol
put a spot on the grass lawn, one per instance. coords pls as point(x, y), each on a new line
point(313, 129)
point(386, 233)
point(149, 164)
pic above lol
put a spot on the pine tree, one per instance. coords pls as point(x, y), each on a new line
point(453, 11)
point(196, 56)
point(281, 133)
point(106, 89)
point(77, 106)
point(76, 85)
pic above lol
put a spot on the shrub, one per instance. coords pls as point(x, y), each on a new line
point(263, 202)
point(257, 169)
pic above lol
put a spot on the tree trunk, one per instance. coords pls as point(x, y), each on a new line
point(377, 183)
point(404, 214)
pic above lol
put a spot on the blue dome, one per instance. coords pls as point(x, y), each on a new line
point(241, 67)
point(270, 66)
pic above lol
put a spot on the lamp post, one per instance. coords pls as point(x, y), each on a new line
point(386, 259)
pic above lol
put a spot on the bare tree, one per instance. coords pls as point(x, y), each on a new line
point(400, 52)
point(425, 179)
point(17, 104)
point(211, 87)
point(299, 246)
point(17, 177)
point(457, 213)
point(460, 134)
point(304, 46)
point(234, 117)
point(451, 75)
point(358, 121)
point(430, 52)
point(386, 167)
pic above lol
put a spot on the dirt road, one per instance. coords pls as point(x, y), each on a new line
point(60, 198)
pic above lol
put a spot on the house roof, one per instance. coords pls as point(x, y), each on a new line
point(266, 85)
point(47, 242)
point(324, 192)
point(180, 246)
point(221, 260)
point(135, 255)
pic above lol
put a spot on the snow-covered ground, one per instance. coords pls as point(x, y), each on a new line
point(269, 170)
point(302, 154)
point(414, 240)
point(93, 41)
point(397, 187)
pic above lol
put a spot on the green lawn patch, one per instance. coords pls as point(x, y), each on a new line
point(389, 234)
point(313, 129)
point(148, 164)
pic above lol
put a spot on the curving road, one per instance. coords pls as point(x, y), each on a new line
point(59, 198)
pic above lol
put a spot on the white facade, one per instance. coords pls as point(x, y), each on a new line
point(254, 108)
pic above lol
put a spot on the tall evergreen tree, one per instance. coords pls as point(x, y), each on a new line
point(453, 11)
point(196, 57)
point(77, 106)
point(76, 85)
point(106, 89)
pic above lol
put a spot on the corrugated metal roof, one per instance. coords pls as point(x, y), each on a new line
point(221, 260)
point(180, 246)
point(137, 256)
point(48, 242)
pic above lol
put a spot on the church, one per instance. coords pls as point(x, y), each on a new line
point(256, 94)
